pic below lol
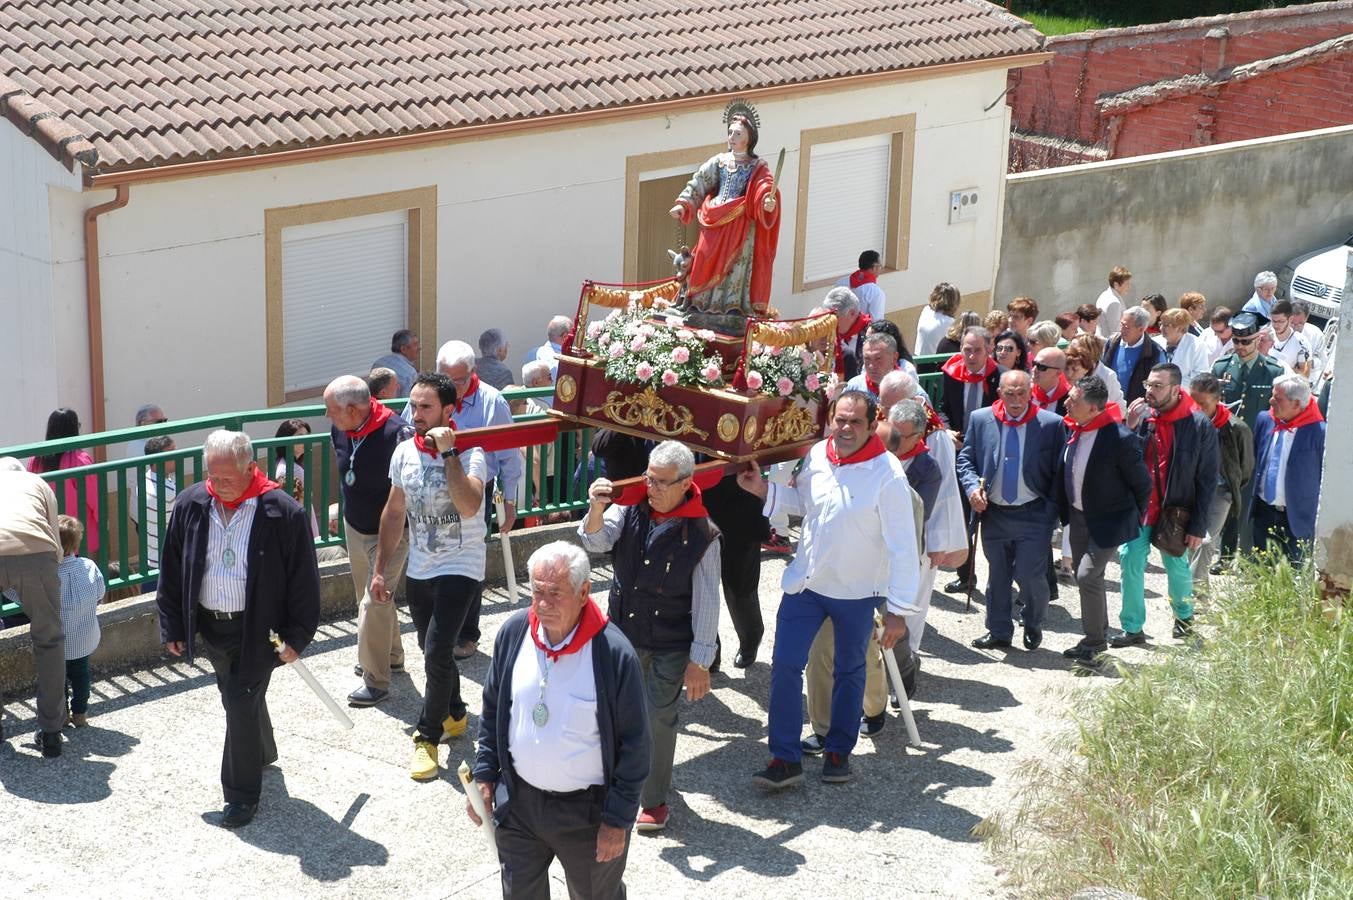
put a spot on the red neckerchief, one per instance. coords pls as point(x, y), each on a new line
point(861, 323)
point(1110, 414)
point(693, 507)
point(469, 391)
point(375, 418)
point(998, 410)
point(1048, 401)
point(590, 624)
point(870, 386)
point(1181, 410)
point(259, 484)
point(1221, 416)
point(957, 369)
point(914, 451)
point(862, 276)
point(1308, 416)
point(872, 448)
point(429, 448)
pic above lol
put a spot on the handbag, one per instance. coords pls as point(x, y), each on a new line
point(1173, 526)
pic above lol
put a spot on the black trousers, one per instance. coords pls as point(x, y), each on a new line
point(469, 631)
point(437, 607)
point(249, 743)
point(964, 572)
point(740, 574)
point(541, 826)
point(1270, 524)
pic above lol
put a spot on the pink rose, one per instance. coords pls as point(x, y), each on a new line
point(812, 382)
point(805, 357)
point(643, 371)
point(681, 355)
point(669, 377)
point(616, 350)
point(614, 314)
point(784, 386)
point(775, 351)
point(685, 334)
point(594, 330)
point(647, 330)
point(638, 342)
point(754, 380)
point(711, 372)
point(604, 338)
point(705, 334)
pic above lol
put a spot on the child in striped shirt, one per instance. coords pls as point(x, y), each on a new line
point(82, 587)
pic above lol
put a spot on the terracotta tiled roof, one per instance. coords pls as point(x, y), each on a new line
point(126, 84)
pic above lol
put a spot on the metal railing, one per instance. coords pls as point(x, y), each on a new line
point(130, 501)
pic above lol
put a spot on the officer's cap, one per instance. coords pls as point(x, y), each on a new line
point(1247, 324)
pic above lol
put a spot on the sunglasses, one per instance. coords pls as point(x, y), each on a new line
point(1244, 342)
point(1005, 348)
point(1042, 367)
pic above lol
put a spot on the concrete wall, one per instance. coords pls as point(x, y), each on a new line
point(1206, 219)
point(131, 628)
point(1334, 522)
point(30, 344)
point(522, 221)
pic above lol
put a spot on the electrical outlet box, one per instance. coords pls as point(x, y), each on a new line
point(963, 205)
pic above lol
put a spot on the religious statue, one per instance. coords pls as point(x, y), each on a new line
point(734, 199)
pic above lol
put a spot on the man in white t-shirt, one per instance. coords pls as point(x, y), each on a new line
point(864, 282)
point(1315, 337)
point(1112, 301)
point(440, 491)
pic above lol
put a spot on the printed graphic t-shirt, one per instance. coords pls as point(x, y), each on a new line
point(440, 541)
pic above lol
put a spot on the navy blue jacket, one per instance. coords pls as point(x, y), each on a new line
point(282, 590)
point(622, 720)
point(1302, 481)
point(1116, 490)
point(1192, 473)
point(1041, 459)
point(925, 477)
point(364, 499)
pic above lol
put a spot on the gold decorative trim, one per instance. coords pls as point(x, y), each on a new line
point(727, 429)
point(567, 388)
point(749, 429)
point(620, 297)
point(794, 424)
point(792, 334)
point(648, 410)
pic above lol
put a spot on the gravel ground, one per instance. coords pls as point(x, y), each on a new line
point(128, 809)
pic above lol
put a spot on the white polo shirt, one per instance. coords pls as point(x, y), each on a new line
point(564, 754)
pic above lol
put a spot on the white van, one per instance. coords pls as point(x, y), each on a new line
point(1318, 279)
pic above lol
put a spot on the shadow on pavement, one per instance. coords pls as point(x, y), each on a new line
point(80, 775)
point(326, 848)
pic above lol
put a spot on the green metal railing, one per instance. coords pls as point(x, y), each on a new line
point(555, 480)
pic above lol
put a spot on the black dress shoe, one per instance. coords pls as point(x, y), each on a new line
point(1122, 639)
point(987, 642)
point(1084, 653)
point(957, 586)
point(1033, 637)
point(1183, 628)
point(49, 742)
point(237, 815)
point(744, 659)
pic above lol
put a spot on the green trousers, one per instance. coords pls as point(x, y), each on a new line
point(1132, 556)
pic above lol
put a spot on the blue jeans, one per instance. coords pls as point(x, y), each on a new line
point(796, 625)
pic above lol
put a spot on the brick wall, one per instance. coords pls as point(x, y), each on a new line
point(1057, 99)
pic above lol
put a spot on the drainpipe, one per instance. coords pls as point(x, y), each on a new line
point(94, 308)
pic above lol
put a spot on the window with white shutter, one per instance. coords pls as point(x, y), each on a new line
point(855, 195)
point(345, 290)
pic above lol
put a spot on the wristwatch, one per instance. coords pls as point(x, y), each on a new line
point(447, 454)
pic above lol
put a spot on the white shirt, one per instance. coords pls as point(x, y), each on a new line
point(930, 330)
point(1279, 497)
point(1188, 355)
point(440, 541)
point(280, 476)
point(871, 297)
point(859, 537)
point(1110, 379)
point(946, 529)
point(227, 572)
point(1214, 348)
point(564, 754)
point(1110, 313)
point(1292, 350)
point(1083, 445)
point(1316, 338)
point(154, 490)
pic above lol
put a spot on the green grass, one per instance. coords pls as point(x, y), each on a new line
point(1225, 771)
point(1053, 25)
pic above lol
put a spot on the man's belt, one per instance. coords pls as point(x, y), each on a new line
point(219, 614)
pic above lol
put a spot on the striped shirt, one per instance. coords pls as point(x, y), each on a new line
point(82, 587)
point(154, 524)
point(226, 574)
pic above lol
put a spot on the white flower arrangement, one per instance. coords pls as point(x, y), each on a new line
point(786, 372)
point(637, 350)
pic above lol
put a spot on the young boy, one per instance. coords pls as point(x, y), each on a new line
point(82, 587)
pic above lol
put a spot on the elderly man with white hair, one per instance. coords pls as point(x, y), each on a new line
point(478, 405)
point(492, 352)
point(665, 595)
point(365, 434)
point(1289, 451)
point(851, 324)
point(1131, 354)
point(238, 563)
point(549, 351)
point(563, 737)
point(1265, 286)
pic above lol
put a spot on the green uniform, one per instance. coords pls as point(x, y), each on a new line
point(1250, 384)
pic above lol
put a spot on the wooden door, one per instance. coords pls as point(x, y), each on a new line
point(658, 231)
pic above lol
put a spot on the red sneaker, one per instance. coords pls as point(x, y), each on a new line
point(652, 818)
point(777, 543)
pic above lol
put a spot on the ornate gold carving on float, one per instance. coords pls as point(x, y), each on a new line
point(794, 424)
point(567, 388)
point(648, 411)
point(727, 429)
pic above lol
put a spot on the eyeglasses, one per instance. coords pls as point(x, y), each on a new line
point(1043, 367)
point(658, 482)
point(1154, 386)
point(1005, 348)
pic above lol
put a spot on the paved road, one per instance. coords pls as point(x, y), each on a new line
point(127, 810)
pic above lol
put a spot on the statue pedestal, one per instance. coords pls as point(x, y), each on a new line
point(733, 324)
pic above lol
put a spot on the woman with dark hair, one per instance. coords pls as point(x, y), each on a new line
point(1154, 304)
point(952, 341)
point(1012, 353)
point(301, 428)
point(65, 423)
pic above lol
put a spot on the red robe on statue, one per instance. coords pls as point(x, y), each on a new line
point(723, 236)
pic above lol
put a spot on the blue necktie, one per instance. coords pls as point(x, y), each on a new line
point(1275, 459)
point(1010, 466)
